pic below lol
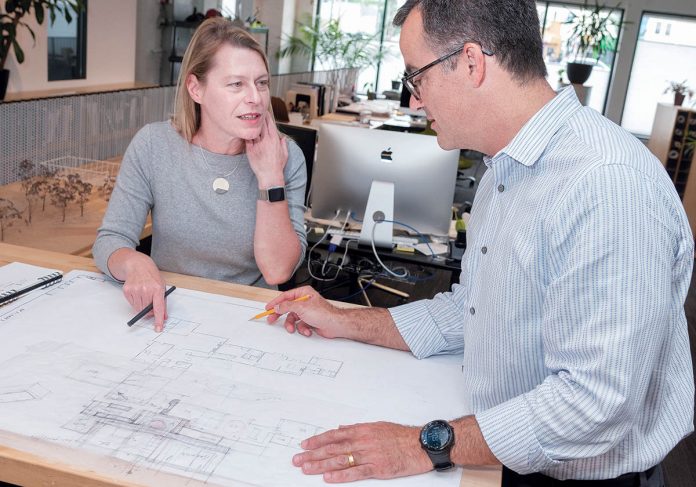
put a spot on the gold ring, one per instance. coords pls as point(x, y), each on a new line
point(351, 460)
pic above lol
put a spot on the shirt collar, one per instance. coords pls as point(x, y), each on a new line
point(531, 141)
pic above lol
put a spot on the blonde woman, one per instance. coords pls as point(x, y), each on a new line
point(224, 188)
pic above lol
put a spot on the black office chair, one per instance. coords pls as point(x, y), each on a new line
point(306, 139)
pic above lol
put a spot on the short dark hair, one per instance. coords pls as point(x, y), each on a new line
point(509, 28)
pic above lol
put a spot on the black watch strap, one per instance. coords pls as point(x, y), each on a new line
point(441, 460)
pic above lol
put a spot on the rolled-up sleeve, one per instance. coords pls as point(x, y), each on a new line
point(434, 326)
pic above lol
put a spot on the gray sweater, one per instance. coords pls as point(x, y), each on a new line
point(195, 231)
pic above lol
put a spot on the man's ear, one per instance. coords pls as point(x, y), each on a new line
point(194, 87)
point(475, 63)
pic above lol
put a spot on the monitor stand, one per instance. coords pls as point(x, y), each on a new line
point(380, 207)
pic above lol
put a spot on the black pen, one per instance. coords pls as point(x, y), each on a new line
point(148, 308)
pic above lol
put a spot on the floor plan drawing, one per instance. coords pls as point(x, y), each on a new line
point(214, 397)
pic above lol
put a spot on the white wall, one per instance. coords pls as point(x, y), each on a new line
point(111, 34)
point(148, 47)
point(279, 17)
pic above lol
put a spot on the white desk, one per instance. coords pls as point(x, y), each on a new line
point(26, 460)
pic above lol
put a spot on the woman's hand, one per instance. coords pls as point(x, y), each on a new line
point(143, 283)
point(268, 154)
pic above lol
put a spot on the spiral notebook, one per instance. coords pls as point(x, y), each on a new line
point(18, 280)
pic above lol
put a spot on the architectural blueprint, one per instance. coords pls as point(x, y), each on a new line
point(214, 397)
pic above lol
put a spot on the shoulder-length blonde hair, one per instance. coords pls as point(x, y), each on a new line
point(198, 59)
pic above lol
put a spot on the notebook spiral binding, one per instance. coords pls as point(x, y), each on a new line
point(54, 278)
point(48, 279)
point(9, 292)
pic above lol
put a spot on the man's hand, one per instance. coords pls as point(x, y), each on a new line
point(364, 451)
point(315, 314)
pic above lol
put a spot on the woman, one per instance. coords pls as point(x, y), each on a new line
point(224, 189)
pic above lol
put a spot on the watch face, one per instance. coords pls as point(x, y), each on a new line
point(437, 435)
point(276, 194)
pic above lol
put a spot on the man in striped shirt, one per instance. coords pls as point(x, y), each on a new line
point(569, 311)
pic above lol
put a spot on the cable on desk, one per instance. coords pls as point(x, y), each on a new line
point(420, 235)
point(362, 291)
point(326, 260)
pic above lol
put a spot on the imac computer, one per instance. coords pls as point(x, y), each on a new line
point(383, 176)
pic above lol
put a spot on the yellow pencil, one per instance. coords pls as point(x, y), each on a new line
point(271, 311)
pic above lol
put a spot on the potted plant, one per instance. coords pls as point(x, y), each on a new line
point(680, 90)
point(15, 16)
point(332, 47)
point(594, 32)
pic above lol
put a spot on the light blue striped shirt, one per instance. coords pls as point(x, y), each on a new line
point(569, 312)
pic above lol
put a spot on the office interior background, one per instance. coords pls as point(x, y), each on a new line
point(86, 87)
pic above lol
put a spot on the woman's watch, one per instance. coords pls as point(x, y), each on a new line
point(272, 194)
point(437, 439)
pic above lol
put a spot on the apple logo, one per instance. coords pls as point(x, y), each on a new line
point(386, 155)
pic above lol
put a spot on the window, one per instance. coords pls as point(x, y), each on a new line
point(67, 47)
point(229, 8)
point(555, 33)
point(658, 59)
point(367, 16)
point(374, 17)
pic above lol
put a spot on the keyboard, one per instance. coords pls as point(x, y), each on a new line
point(398, 240)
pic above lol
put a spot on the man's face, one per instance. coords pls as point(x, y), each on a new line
point(437, 86)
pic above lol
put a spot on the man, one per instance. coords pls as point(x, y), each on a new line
point(569, 313)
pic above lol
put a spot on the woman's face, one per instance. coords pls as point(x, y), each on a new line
point(234, 97)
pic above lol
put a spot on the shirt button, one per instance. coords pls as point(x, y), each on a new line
point(472, 310)
point(484, 250)
point(501, 188)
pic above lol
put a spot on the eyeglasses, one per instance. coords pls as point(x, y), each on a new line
point(408, 78)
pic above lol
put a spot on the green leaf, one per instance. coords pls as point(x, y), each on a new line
point(19, 54)
point(38, 8)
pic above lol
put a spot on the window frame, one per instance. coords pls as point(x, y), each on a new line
point(635, 50)
point(612, 67)
point(81, 41)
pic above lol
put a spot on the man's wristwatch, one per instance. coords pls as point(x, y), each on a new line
point(276, 193)
point(437, 439)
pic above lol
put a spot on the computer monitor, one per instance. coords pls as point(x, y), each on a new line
point(376, 174)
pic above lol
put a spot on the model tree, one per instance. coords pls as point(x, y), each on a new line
point(8, 213)
point(82, 190)
point(26, 176)
point(62, 192)
point(107, 187)
point(43, 182)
